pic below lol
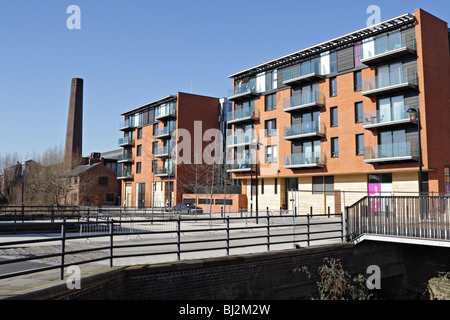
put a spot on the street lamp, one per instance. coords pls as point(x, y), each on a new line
point(415, 113)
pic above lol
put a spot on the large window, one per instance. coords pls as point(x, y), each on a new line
point(357, 80)
point(138, 167)
point(271, 154)
point(335, 147)
point(323, 184)
point(359, 112)
point(333, 117)
point(333, 87)
point(391, 109)
point(357, 53)
point(333, 62)
point(271, 101)
point(360, 144)
point(271, 80)
point(271, 127)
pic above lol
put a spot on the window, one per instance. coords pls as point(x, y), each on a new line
point(109, 197)
point(333, 117)
point(360, 144)
point(357, 54)
point(271, 102)
point(380, 178)
point(271, 127)
point(154, 165)
point(154, 147)
point(333, 87)
point(103, 181)
point(139, 133)
point(155, 129)
point(329, 185)
point(271, 154)
point(292, 184)
point(317, 185)
point(323, 184)
point(357, 80)
point(333, 62)
point(138, 167)
point(334, 147)
point(228, 202)
point(139, 150)
point(271, 80)
point(205, 201)
point(359, 114)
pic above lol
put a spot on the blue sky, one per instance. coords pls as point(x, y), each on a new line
point(133, 52)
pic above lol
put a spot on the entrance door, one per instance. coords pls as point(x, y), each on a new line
point(127, 195)
point(140, 199)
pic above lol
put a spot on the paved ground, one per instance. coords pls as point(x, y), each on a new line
point(41, 281)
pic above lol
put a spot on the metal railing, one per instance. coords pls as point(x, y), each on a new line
point(172, 234)
point(418, 216)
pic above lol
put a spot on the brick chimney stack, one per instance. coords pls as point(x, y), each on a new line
point(74, 133)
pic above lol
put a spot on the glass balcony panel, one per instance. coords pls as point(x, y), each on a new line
point(303, 100)
point(387, 79)
point(305, 128)
point(305, 159)
point(405, 150)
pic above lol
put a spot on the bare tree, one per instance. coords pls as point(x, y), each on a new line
point(48, 183)
point(10, 178)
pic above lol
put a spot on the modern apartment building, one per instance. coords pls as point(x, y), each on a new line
point(151, 144)
point(320, 128)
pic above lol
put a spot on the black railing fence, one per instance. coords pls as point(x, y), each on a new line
point(418, 216)
point(106, 236)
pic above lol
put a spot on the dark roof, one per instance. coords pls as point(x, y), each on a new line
point(75, 172)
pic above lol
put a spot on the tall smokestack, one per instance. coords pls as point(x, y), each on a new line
point(74, 133)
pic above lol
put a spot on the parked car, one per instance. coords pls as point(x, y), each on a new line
point(186, 208)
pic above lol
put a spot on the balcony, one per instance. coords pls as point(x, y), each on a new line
point(243, 115)
point(164, 133)
point(304, 160)
point(399, 151)
point(304, 130)
point(127, 125)
point(241, 139)
point(161, 152)
point(167, 110)
point(125, 175)
point(395, 81)
point(304, 101)
point(393, 116)
point(126, 157)
point(395, 46)
point(304, 73)
point(244, 91)
point(165, 171)
point(126, 141)
point(244, 166)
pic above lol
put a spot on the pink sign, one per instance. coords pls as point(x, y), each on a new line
point(374, 190)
